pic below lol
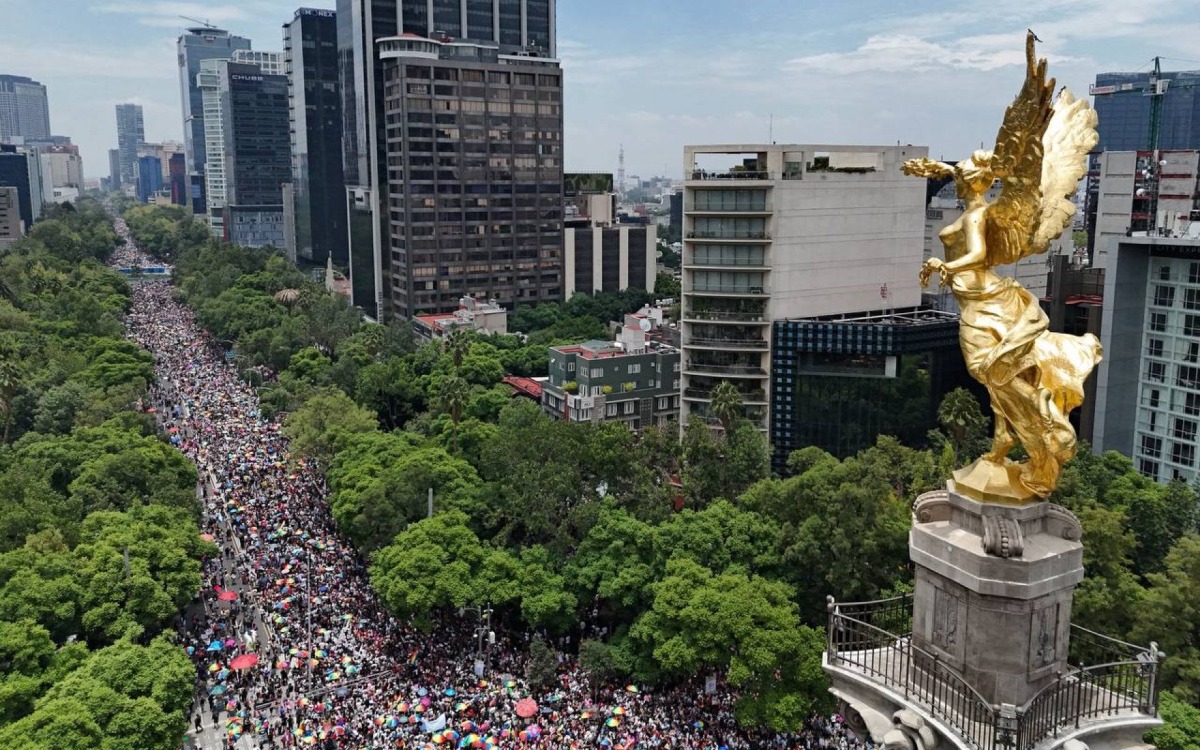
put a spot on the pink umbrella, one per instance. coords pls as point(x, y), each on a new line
point(227, 596)
point(245, 661)
point(526, 707)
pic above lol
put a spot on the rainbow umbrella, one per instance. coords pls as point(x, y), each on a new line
point(613, 722)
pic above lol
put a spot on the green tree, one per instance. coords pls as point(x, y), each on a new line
point(542, 667)
point(960, 415)
point(324, 422)
point(1181, 724)
point(1170, 616)
point(452, 398)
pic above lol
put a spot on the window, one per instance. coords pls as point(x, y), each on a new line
point(1185, 429)
point(597, 390)
point(635, 369)
point(1188, 377)
point(1191, 404)
point(1158, 322)
point(610, 410)
point(1148, 468)
point(1194, 273)
point(1164, 272)
point(629, 407)
point(1191, 299)
point(1193, 352)
point(1153, 398)
point(1151, 446)
point(597, 372)
point(1164, 296)
point(1156, 371)
point(675, 367)
point(664, 402)
point(1184, 453)
point(1191, 325)
point(1154, 348)
point(570, 367)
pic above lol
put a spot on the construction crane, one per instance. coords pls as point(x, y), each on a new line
point(1156, 90)
point(205, 24)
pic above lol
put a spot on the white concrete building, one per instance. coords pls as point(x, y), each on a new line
point(270, 63)
point(63, 168)
point(1136, 193)
point(776, 232)
point(1148, 386)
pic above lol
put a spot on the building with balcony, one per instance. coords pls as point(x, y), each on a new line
point(631, 380)
point(1148, 387)
point(472, 315)
point(779, 232)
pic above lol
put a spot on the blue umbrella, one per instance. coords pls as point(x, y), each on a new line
point(218, 690)
point(450, 691)
point(215, 646)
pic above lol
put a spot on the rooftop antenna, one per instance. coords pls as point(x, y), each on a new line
point(205, 24)
point(621, 170)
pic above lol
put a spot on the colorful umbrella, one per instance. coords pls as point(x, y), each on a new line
point(227, 595)
point(245, 661)
point(526, 707)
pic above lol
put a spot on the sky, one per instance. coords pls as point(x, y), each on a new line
point(655, 75)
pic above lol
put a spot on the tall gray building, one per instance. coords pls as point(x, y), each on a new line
point(131, 131)
point(24, 108)
point(474, 32)
point(195, 45)
point(254, 112)
point(114, 168)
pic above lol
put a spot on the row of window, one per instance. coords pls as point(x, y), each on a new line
point(473, 75)
point(1159, 323)
point(1186, 376)
point(1164, 296)
point(1166, 272)
point(1183, 454)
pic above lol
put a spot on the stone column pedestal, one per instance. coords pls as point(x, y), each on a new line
point(993, 590)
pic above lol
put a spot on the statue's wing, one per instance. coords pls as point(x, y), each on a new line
point(1017, 161)
point(1069, 137)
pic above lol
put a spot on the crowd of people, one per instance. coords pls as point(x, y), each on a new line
point(293, 649)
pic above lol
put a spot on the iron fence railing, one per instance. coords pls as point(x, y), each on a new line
point(875, 639)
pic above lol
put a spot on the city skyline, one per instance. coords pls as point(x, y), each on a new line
point(695, 72)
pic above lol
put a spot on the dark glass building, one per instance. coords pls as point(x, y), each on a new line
point(177, 169)
point(17, 170)
point(475, 180)
point(513, 27)
point(130, 132)
point(310, 49)
point(254, 108)
point(1123, 105)
point(149, 177)
point(24, 108)
point(840, 383)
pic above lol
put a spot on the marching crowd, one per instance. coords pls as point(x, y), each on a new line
point(293, 649)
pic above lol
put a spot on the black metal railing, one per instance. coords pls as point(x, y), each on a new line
point(875, 639)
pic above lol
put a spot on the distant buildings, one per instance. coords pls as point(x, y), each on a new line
point(177, 178)
point(24, 108)
point(131, 131)
point(471, 315)
point(254, 117)
point(194, 46)
point(318, 183)
point(598, 254)
point(114, 169)
point(630, 380)
point(493, 112)
point(63, 166)
point(1148, 389)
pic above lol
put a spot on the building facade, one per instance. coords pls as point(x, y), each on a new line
point(311, 63)
point(839, 382)
point(193, 47)
point(516, 28)
point(1122, 102)
point(149, 178)
point(609, 258)
point(631, 381)
point(1148, 388)
point(21, 168)
point(131, 131)
point(24, 108)
point(254, 117)
point(472, 315)
point(11, 226)
point(778, 232)
point(114, 169)
point(177, 178)
point(475, 180)
point(63, 166)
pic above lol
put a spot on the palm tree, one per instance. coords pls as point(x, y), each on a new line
point(453, 397)
point(726, 405)
point(10, 383)
point(288, 297)
point(458, 345)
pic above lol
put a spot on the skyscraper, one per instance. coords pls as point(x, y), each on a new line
point(21, 168)
point(491, 37)
point(195, 45)
point(149, 177)
point(212, 73)
point(130, 132)
point(1124, 108)
point(310, 51)
point(114, 168)
point(254, 112)
point(24, 108)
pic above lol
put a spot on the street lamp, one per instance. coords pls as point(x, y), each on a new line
point(483, 629)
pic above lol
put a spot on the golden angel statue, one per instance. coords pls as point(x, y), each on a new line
point(1034, 377)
